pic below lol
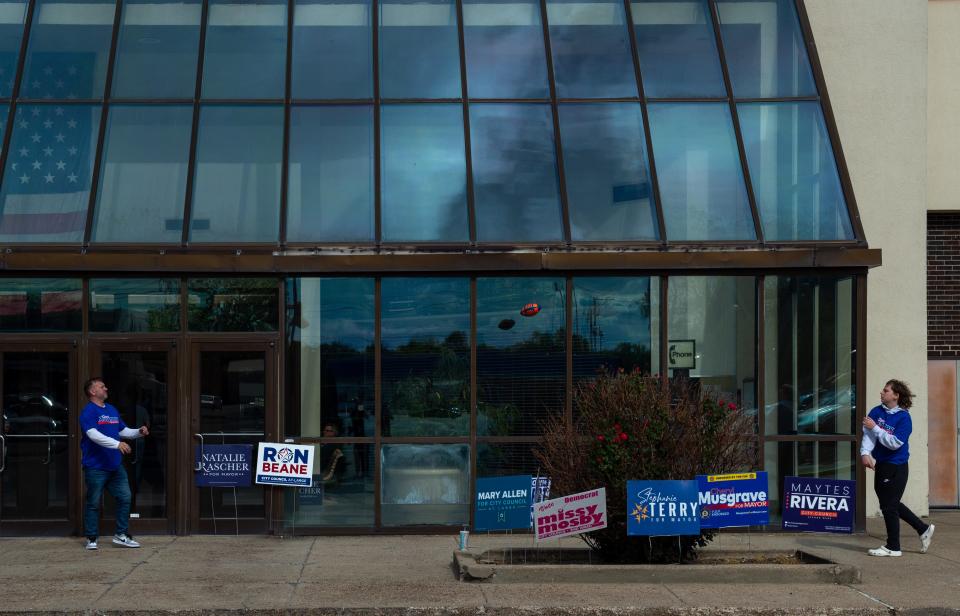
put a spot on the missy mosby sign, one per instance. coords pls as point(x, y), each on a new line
point(818, 505)
point(663, 508)
point(285, 464)
point(571, 515)
point(223, 466)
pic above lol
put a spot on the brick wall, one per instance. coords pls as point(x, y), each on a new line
point(943, 285)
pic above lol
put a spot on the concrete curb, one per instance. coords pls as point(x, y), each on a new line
point(507, 611)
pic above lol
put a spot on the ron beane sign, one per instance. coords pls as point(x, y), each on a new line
point(682, 354)
point(285, 464)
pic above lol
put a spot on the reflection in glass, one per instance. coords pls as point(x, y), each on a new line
point(765, 51)
point(425, 484)
point(504, 459)
point(793, 171)
point(419, 49)
point(521, 360)
point(236, 195)
point(591, 49)
point(232, 305)
point(515, 182)
point(232, 400)
point(717, 313)
point(157, 49)
point(608, 177)
point(424, 173)
point(36, 421)
point(332, 54)
point(245, 50)
point(40, 304)
point(810, 355)
point(330, 356)
point(139, 389)
point(503, 42)
point(827, 459)
point(698, 168)
point(46, 181)
point(12, 16)
point(330, 190)
point(143, 174)
point(69, 49)
point(342, 491)
point(677, 49)
point(425, 355)
point(135, 305)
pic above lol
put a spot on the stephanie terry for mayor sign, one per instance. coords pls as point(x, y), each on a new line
point(818, 505)
point(284, 464)
point(571, 515)
point(663, 508)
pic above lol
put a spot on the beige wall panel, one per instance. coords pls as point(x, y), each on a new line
point(874, 57)
point(943, 101)
point(942, 424)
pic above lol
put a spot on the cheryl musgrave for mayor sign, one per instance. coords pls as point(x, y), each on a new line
point(737, 499)
point(818, 505)
point(223, 466)
point(663, 508)
point(571, 515)
point(285, 464)
point(503, 503)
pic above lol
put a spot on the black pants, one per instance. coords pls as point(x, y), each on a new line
point(889, 482)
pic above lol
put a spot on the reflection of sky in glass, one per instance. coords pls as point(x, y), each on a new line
point(423, 309)
point(620, 308)
point(333, 310)
point(502, 298)
point(419, 50)
point(503, 43)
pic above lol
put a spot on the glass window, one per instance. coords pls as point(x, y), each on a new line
point(419, 49)
point(425, 484)
point(505, 459)
point(793, 171)
point(245, 52)
point(424, 175)
point(342, 491)
point(701, 182)
point(764, 48)
point(135, 305)
point(616, 325)
point(143, 175)
point(40, 304)
point(157, 49)
point(810, 338)
point(12, 16)
point(591, 49)
point(677, 48)
point(515, 185)
point(714, 317)
point(828, 459)
point(521, 353)
point(330, 356)
point(425, 355)
point(69, 49)
point(330, 175)
point(232, 305)
point(503, 41)
point(608, 177)
point(332, 49)
point(236, 194)
point(46, 181)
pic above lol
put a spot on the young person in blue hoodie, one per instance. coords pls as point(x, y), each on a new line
point(886, 430)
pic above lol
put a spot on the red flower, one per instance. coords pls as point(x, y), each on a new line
point(616, 427)
point(732, 406)
point(600, 437)
point(623, 436)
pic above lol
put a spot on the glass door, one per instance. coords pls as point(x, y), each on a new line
point(140, 379)
point(37, 439)
point(233, 395)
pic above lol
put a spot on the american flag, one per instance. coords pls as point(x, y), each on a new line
point(46, 182)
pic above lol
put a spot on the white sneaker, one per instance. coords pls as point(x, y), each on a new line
point(125, 541)
point(884, 551)
point(925, 539)
point(91, 544)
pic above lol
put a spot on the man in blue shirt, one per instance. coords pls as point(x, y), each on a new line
point(103, 453)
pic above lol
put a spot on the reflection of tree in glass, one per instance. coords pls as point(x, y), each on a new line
point(236, 304)
point(444, 391)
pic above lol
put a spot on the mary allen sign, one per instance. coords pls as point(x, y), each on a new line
point(284, 464)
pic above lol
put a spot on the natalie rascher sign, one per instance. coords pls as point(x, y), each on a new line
point(738, 499)
point(502, 503)
point(285, 464)
point(818, 505)
point(223, 466)
point(663, 508)
point(571, 515)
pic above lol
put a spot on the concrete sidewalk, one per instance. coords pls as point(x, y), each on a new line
point(413, 575)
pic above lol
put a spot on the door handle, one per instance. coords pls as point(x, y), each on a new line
point(3, 453)
point(49, 450)
point(199, 466)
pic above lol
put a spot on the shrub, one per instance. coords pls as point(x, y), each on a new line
point(641, 426)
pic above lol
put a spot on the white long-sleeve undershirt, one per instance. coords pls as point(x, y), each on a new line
point(878, 434)
point(105, 441)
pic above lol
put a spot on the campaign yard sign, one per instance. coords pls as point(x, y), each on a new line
point(737, 499)
point(571, 515)
point(819, 505)
point(663, 508)
point(284, 464)
point(223, 466)
point(541, 492)
point(311, 496)
point(502, 503)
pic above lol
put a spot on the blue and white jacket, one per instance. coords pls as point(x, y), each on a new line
point(887, 442)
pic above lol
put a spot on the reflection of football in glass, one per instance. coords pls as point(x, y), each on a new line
point(530, 309)
point(506, 324)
